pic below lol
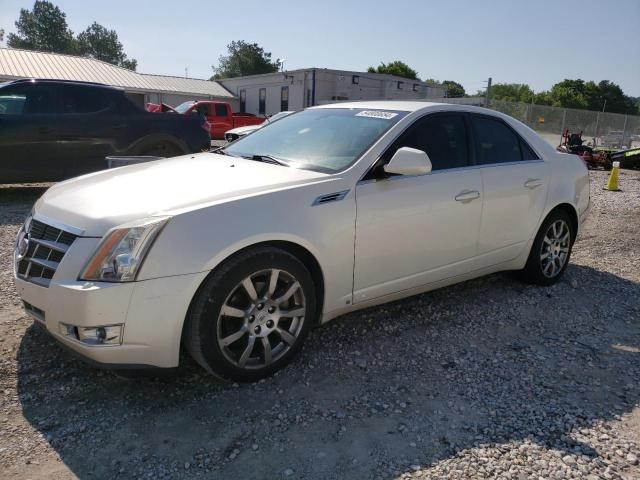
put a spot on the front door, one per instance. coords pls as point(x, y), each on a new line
point(28, 133)
point(415, 230)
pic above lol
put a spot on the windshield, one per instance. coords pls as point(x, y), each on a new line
point(323, 139)
point(183, 107)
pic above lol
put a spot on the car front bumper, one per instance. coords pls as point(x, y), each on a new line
point(151, 313)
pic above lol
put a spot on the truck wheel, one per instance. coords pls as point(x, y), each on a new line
point(551, 250)
point(251, 316)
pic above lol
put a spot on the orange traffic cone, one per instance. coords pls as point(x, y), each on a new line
point(612, 183)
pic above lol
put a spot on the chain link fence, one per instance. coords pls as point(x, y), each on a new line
point(599, 129)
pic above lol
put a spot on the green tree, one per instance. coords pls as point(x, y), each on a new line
point(617, 101)
point(44, 28)
point(588, 95)
point(244, 59)
point(397, 68)
point(1, 34)
point(569, 94)
point(102, 44)
point(454, 89)
point(512, 92)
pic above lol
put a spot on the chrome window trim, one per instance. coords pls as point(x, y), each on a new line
point(450, 170)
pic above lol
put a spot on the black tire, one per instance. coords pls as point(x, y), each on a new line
point(161, 149)
point(205, 320)
point(534, 270)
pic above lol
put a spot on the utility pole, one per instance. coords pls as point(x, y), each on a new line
point(186, 72)
point(486, 98)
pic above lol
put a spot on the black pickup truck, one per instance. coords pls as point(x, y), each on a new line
point(52, 130)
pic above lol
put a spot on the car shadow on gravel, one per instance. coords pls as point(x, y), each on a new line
point(374, 394)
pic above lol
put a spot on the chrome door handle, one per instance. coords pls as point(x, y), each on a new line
point(467, 196)
point(533, 183)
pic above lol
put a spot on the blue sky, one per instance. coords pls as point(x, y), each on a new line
point(523, 41)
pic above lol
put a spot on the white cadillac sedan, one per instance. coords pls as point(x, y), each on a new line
point(235, 255)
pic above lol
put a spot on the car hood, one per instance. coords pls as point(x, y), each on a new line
point(245, 130)
point(99, 201)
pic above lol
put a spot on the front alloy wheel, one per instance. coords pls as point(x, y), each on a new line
point(261, 319)
point(252, 314)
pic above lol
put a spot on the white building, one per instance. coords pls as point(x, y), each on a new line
point(16, 64)
point(271, 93)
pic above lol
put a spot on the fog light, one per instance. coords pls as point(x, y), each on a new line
point(102, 335)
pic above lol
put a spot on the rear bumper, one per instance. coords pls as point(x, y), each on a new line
point(152, 313)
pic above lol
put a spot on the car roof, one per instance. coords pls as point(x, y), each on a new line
point(58, 81)
point(401, 105)
point(410, 106)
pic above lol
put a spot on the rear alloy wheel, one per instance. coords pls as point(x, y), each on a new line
point(251, 316)
point(555, 248)
point(551, 250)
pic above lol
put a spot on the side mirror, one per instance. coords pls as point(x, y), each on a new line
point(409, 161)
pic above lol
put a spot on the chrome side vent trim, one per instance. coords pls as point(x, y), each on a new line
point(330, 197)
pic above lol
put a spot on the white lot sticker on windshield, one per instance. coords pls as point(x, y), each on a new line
point(376, 114)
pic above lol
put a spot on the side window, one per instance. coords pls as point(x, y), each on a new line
point(442, 136)
point(12, 101)
point(221, 110)
point(27, 100)
point(83, 100)
point(527, 153)
point(284, 99)
point(495, 142)
point(204, 109)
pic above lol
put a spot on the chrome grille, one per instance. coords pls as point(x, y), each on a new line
point(47, 246)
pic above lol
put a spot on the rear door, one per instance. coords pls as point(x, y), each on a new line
point(29, 133)
point(515, 181)
point(89, 127)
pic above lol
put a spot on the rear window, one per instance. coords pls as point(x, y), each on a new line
point(497, 143)
point(221, 110)
point(84, 100)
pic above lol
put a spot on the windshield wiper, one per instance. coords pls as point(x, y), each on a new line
point(268, 159)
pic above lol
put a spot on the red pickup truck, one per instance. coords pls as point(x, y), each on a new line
point(219, 115)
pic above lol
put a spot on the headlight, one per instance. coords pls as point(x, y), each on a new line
point(122, 250)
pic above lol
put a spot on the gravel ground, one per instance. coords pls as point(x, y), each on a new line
point(487, 379)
